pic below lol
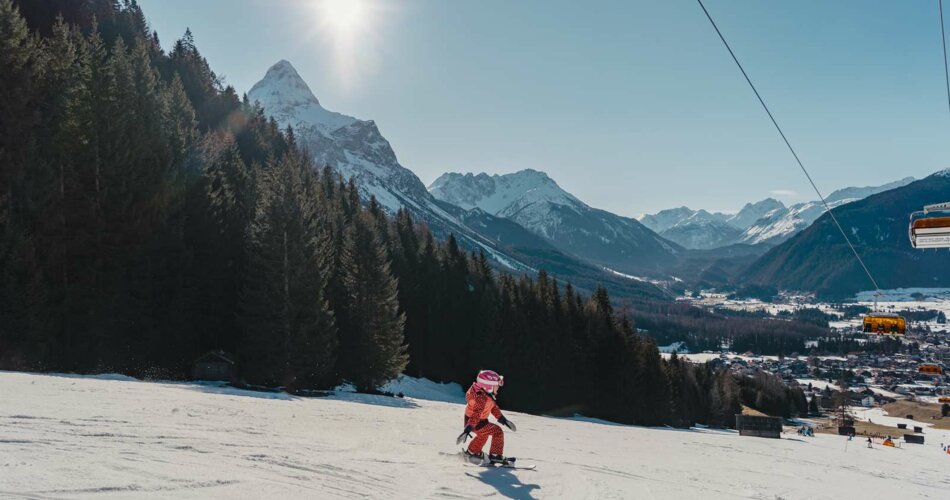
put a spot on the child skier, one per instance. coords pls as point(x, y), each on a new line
point(480, 403)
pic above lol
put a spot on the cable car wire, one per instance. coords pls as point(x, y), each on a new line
point(943, 38)
point(790, 148)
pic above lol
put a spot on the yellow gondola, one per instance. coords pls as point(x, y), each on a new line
point(930, 228)
point(930, 369)
point(885, 324)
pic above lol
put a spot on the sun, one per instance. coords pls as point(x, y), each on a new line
point(344, 18)
point(350, 34)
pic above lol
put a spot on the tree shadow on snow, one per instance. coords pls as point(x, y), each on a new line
point(215, 388)
point(506, 483)
point(373, 399)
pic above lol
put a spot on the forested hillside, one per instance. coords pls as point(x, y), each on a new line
point(149, 214)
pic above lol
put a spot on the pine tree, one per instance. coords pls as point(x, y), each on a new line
point(23, 64)
point(288, 327)
point(22, 293)
point(23, 340)
point(372, 349)
point(63, 227)
point(220, 206)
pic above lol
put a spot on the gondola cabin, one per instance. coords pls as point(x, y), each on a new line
point(930, 228)
point(930, 369)
point(885, 324)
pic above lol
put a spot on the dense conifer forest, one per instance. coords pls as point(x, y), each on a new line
point(149, 214)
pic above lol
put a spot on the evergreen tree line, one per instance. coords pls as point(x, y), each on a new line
point(149, 214)
point(739, 331)
point(768, 394)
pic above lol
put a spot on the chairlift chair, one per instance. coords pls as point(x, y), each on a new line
point(885, 324)
point(930, 227)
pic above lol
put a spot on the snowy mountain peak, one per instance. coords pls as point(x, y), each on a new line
point(283, 76)
point(287, 97)
point(535, 201)
point(359, 152)
point(496, 194)
point(767, 221)
point(752, 212)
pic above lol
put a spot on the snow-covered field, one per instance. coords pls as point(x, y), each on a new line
point(893, 300)
point(82, 437)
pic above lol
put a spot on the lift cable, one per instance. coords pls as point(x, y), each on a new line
point(790, 148)
point(943, 38)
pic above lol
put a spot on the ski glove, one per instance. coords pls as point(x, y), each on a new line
point(507, 423)
point(464, 435)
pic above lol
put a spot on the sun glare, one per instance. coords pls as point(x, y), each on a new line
point(344, 17)
point(350, 32)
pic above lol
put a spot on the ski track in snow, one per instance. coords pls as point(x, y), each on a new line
point(66, 437)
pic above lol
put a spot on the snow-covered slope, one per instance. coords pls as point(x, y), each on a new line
point(536, 202)
point(69, 437)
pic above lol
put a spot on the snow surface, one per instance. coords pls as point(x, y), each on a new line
point(69, 437)
point(879, 416)
point(425, 389)
point(818, 384)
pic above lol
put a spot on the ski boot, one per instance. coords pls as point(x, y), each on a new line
point(475, 458)
point(501, 460)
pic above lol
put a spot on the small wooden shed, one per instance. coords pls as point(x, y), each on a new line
point(914, 438)
point(215, 366)
point(768, 427)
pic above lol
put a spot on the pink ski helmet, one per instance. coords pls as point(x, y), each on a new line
point(489, 380)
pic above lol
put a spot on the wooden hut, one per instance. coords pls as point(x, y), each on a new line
point(768, 427)
point(914, 438)
point(215, 366)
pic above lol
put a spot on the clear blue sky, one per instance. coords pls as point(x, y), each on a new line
point(632, 105)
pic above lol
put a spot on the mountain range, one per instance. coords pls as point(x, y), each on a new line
point(357, 150)
point(524, 221)
point(536, 202)
point(767, 222)
point(819, 260)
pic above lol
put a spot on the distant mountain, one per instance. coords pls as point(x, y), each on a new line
point(818, 260)
point(665, 220)
point(534, 201)
point(702, 230)
point(782, 223)
point(353, 147)
point(767, 222)
point(357, 150)
point(752, 212)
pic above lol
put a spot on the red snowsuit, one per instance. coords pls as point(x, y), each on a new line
point(480, 404)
